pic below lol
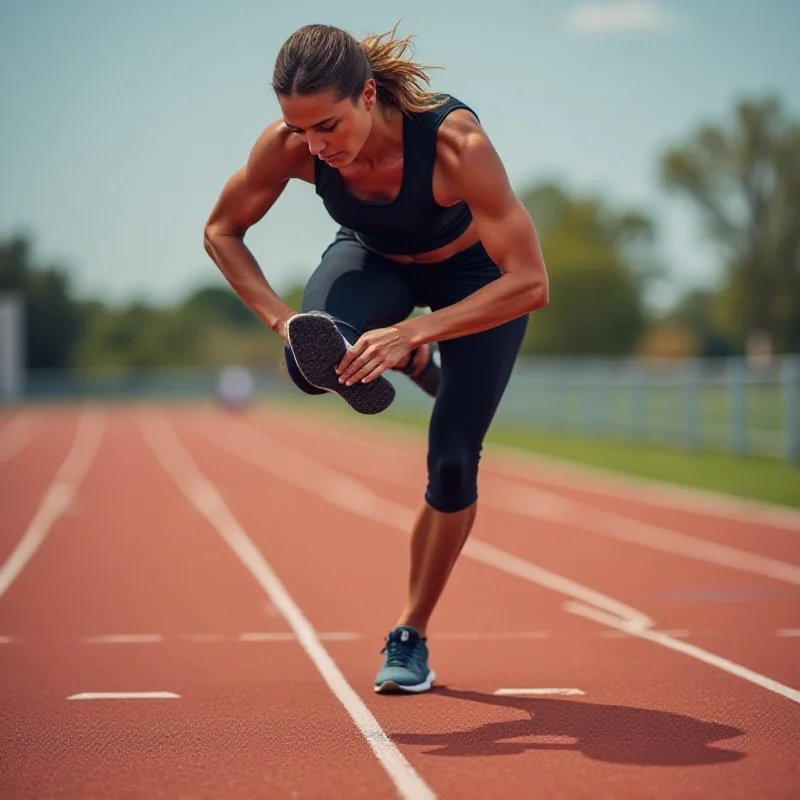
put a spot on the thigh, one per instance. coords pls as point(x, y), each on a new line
point(475, 372)
point(475, 368)
point(357, 287)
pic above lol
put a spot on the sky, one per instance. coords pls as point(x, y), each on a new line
point(121, 120)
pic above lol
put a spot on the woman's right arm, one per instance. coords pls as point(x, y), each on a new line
point(247, 196)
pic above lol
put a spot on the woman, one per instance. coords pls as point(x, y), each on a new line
point(428, 219)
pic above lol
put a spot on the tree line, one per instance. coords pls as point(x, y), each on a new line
point(741, 177)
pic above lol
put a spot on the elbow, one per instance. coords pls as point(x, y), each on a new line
point(208, 239)
point(538, 295)
point(212, 233)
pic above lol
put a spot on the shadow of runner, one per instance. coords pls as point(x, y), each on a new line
point(616, 734)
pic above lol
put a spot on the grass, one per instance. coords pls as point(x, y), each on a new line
point(769, 480)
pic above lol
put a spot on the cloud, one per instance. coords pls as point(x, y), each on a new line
point(621, 16)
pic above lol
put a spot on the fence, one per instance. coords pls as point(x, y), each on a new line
point(723, 405)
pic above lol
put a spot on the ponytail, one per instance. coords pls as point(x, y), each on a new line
point(399, 81)
point(319, 58)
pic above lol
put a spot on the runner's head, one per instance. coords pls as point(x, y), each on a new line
point(329, 84)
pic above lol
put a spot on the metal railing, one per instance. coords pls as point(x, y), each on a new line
point(721, 405)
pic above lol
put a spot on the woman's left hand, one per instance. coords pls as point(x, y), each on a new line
point(374, 353)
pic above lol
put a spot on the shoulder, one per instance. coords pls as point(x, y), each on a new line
point(277, 156)
point(462, 145)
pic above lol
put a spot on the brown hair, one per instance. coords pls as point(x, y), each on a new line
point(318, 58)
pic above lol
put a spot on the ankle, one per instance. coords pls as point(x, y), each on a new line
point(408, 622)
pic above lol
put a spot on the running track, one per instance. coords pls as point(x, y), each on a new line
point(246, 567)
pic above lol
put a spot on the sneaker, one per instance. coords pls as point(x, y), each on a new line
point(318, 347)
point(406, 666)
point(431, 376)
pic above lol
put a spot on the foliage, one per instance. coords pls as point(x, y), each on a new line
point(53, 321)
point(743, 180)
point(742, 177)
point(598, 261)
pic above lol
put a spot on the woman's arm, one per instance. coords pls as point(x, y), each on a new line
point(474, 173)
point(245, 199)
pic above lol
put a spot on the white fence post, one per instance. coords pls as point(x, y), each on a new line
point(12, 346)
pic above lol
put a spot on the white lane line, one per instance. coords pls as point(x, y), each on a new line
point(535, 692)
point(204, 638)
point(678, 633)
point(514, 565)
point(339, 636)
point(15, 435)
point(298, 469)
point(582, 610)
point(347, 493)
point(517, 463)
point(124, 638)
point(490, 635)
point(124, 696)
point(155, 638)
point(333, 636)
point(525, 500)
point(58, 498)
point(538, 504)
point(521, 464)
point(256, 636)
point(204, 496)
point(788, 632)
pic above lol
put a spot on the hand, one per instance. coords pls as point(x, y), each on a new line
point(374, 353)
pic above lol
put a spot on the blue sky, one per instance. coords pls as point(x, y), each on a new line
point(122, 119)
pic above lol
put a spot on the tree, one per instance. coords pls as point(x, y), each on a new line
point(743, 178)
point(53, 319)
point(598, 261)
point(221, 303)
point(695, 312)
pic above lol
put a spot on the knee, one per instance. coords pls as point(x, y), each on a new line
point(452, 480)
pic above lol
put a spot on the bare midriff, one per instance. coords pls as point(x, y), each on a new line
point(464, 241)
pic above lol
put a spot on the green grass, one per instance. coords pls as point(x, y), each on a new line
point(770, 480)
point(756, 478)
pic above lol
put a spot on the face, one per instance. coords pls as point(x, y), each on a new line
point(335, 130)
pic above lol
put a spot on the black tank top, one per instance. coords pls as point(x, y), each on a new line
point(413, 222)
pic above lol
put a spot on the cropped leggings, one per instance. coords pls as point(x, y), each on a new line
point(362, 290)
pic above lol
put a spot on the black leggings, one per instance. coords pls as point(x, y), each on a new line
point(362, 290)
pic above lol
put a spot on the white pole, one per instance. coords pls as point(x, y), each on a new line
point(12, 346)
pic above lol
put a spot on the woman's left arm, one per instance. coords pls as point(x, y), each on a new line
point(474, 173)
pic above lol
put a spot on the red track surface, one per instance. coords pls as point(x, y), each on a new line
point(135, 552)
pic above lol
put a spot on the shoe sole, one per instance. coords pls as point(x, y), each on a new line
point(391, 687)
point(318, 347)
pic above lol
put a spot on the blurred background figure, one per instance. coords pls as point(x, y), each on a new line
point(235, 387)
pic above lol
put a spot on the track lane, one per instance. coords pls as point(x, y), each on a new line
point(632, 680)
point(25, 477)
point(137, 559)
point(757, 530)
point(739, 612)
point(16, 432)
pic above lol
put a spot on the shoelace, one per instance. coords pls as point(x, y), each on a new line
point(399, 653)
